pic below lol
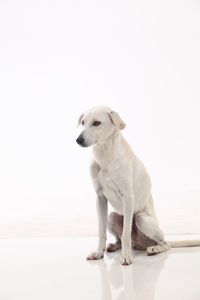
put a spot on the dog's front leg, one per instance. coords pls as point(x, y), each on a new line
point(102, 213)
point(128, 210)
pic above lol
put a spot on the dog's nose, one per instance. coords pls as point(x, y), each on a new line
point(80, 140)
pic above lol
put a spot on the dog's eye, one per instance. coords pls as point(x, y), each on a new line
point(82, 122)
point(96, 123)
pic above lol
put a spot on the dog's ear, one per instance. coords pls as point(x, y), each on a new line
point(79, 119)
point(116, 119)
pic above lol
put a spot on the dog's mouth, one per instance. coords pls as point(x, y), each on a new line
point(84, 145)
point(81, 142)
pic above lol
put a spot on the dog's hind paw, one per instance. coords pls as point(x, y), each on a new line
point(153, 250)
point(95, 255)
point(113, 247)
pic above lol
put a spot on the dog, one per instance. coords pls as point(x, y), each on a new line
point(120, 177)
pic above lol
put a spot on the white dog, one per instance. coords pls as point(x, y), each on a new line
point(120, 178)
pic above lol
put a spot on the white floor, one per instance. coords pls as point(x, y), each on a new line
point(56, 269)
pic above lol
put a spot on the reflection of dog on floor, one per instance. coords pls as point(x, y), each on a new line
point(120, 178)
point(131, 283)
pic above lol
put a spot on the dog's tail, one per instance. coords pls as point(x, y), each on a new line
point(184, 243)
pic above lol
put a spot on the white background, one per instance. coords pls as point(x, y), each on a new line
point(59, 58)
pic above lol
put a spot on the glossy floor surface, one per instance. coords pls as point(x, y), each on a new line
point(55, 268)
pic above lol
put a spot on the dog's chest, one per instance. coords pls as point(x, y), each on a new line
point(111, 189)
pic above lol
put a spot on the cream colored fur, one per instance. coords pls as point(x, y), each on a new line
point(120, 178)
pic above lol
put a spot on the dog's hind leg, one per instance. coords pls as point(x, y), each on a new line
point(149, 226)
point(115, 226)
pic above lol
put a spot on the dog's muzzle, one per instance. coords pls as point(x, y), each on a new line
point(81, 141)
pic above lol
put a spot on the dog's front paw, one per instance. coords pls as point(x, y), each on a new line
point(95, 255)
point(126, 259)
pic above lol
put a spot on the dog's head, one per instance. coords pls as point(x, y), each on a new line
point(98, 123)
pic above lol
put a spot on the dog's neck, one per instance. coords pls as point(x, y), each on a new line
point(109, 149)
